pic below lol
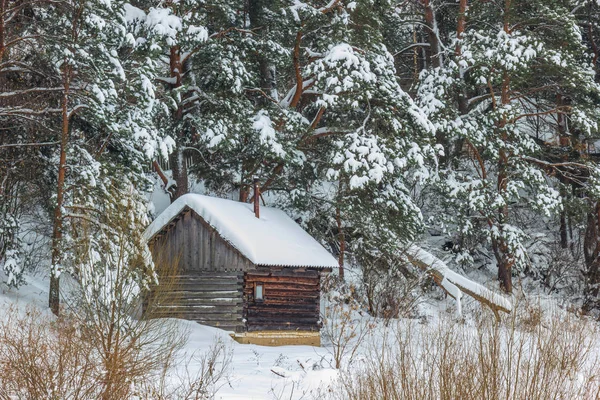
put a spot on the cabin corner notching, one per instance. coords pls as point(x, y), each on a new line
point(258, 277)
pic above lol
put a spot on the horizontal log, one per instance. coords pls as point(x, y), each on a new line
point(204, 295)
point(191, 291)
point(278, 327)
point(226, 327)
point(281, 307)
point(206, 274)
point(293, 287)
point(290, 289)
point(217, 318)
point(206, 306)
point(283, 317)
point(271, 312)
point(228, 302)
point(289, 271)
point(286, 279)
point(213, 293)
point(288, 294)
point(204, 317)
point(206, 282)
point(284, 309)
point(195, 315)
point(203, 282)
point(296, 301)
point(282, 321)
point(208, 310)
point(191, 314)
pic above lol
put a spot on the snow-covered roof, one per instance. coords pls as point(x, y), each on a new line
point(274, 239)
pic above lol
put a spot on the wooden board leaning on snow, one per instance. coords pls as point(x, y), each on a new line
point(456, 284)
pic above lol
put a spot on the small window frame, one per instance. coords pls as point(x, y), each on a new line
point(259, 292)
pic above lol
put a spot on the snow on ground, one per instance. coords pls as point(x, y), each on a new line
point(35, 294)
point(262, 372)
point(284, 372)
point(257, 372)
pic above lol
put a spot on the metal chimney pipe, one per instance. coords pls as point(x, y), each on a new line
point(256, 198)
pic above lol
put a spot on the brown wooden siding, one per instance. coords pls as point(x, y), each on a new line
point(206, 284)
point(215, 282)
point(207, 297)
point(197, 247)
point(291, 299)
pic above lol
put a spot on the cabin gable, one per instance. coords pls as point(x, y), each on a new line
point(196, 246)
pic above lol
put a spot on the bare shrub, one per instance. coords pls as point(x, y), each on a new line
point(390, 287)
point(486, 361)
point(344, 330)
point(43, 358)
point(101, 331)
point(198, 376)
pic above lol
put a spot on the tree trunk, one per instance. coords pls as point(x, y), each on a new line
point(564, 142)
point(503, 256)
point(591, 253)
point(462, 95)
point(2, 28)
point(505, 261)
point(179, 172)
point(256, 16)
point(434, 55)
point(57, 234)
point(342, 240)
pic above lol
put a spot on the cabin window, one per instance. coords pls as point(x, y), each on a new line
point(259, 292)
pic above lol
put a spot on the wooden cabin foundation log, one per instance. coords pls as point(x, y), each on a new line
point(279, 338)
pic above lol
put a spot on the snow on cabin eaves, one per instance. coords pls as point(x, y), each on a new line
point(274, 239)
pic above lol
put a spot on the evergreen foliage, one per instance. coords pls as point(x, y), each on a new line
point(369, 121)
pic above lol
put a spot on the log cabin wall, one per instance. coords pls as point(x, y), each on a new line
point(291, 299)
point(207, 276)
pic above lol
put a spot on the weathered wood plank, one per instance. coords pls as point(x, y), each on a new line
point(289, 271)
point(284, 279)
point(203, 287)
point(283, 294)
point(282, 327)
point(274, 308)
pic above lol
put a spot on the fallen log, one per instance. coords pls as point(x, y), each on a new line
point(455, 284)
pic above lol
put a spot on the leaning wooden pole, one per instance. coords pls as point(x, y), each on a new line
point(450, 281)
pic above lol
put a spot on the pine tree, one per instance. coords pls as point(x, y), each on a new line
point(105, 106)
point(515, 58)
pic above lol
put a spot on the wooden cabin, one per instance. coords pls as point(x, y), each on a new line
point(253, 271)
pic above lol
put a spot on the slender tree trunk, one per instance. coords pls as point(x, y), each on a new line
point(435, 55)
point(434, 58)
point(591, 253)
point(256, 16)
point(342, 240)
point(179, 170)
point(2, 28)
point(504, 258)
point(462, 95)
point(563, 230)
point(180, 173)
point(564, 142)
point(57, 232)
